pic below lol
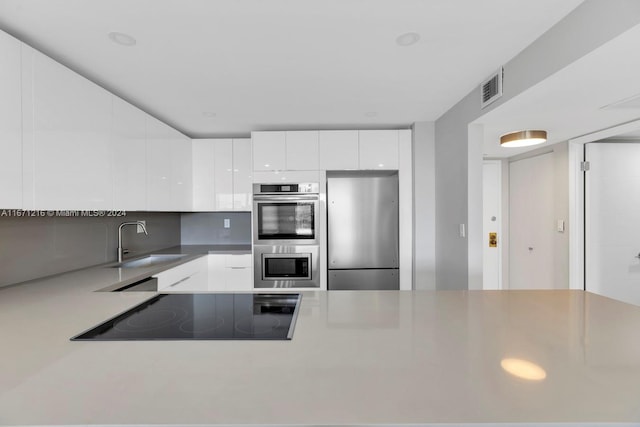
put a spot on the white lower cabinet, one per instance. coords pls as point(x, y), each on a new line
point(191, 276)
point(230, 273)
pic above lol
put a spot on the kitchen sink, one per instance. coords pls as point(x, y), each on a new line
point(149, 261)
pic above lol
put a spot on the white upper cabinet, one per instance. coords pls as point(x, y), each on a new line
point(339, 150)
point(222, 174)
point(158, 165)
point(129, 156)
point(223, 181)
point(181, 172)
point(204, 198)
point(66, 125)
point(278, 152)
point(168, 168)
point(68, 144)
point(10, 124)
point(378, 149)
point(302, 150)
point(269, 151)
point(242, 175)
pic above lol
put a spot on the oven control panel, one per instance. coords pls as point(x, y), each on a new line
point(301, 188)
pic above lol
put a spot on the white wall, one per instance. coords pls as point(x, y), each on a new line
point(589, 26)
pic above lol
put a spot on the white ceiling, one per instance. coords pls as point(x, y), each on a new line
point(284, 64)
point(570, 103)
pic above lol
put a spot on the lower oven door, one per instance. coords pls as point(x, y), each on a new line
point(286, 267)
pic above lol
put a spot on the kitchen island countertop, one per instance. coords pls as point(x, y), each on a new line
point(368, 357)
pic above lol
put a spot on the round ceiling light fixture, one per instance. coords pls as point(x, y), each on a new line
point(122, 38)
point(407, 39)
point(523, 138)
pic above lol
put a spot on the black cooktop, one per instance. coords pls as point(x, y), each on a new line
point(203, 317)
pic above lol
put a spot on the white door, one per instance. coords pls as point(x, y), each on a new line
point(531, 223)
point(612, 221)
point(492, 219)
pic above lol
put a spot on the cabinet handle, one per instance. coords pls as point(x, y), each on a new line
point(238, 268)
point(180, 281)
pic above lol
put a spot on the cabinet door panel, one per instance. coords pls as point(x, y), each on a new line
point(242, 175)
point(223, 187)
point(286, 177)
point(181, 198)
point(269, 151)
point(158, 166)
point(302, 150)
point(129, 157)
point(378, 149)
point(10, 123)
point(239, 279)
point(338, 150)
point(217, 280)
point(203, 175)
point(70, 136)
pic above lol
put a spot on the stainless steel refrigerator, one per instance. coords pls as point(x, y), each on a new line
point(362, 230)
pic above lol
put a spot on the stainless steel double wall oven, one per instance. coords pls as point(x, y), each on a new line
point(285, 235)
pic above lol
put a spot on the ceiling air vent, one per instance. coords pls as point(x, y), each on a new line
point(491, 88)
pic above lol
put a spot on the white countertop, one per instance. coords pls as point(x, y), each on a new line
point(356, 358)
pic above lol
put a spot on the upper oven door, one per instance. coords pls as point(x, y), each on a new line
point(282, 219)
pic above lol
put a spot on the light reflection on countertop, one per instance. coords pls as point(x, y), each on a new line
point(356, 358)
point(524, 369)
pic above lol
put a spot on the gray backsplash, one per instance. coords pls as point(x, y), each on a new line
point(33, 247)
point(207, 228)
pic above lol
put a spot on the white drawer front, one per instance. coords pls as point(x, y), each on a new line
point(238, 261)
point(181, 272)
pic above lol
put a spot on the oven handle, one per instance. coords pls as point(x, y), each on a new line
point(300, 198)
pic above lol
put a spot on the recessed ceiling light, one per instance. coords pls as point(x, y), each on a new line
point(122, 39)
point(407, 39)
point(371, 114)
point(209, 114)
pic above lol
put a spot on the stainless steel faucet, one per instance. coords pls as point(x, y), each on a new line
point(136, 223)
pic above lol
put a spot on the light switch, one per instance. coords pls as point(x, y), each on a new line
point(560, 226)
point(227, 223)
point(462, 230)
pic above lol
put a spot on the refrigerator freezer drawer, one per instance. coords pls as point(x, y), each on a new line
point(370, 279)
